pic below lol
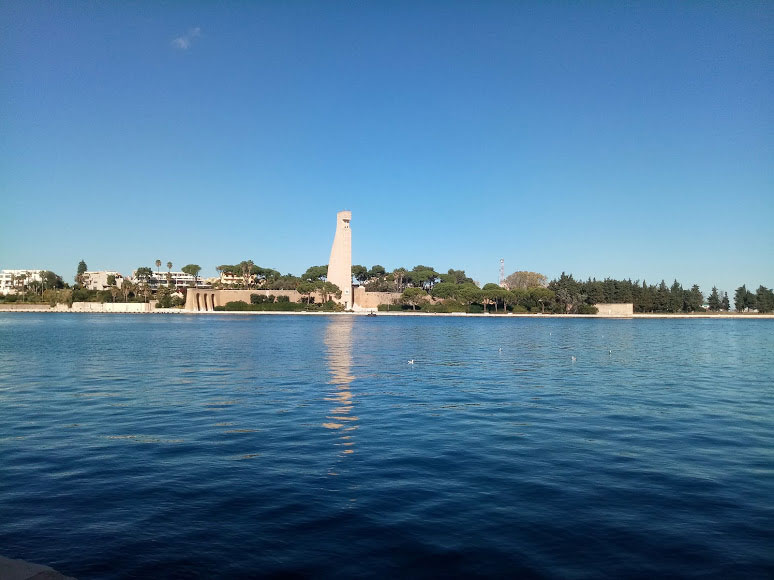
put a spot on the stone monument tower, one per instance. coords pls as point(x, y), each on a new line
point(340, 264)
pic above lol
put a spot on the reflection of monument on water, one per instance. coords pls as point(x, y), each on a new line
point(338, 341)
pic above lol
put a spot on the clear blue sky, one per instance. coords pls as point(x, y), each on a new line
point(603, 138)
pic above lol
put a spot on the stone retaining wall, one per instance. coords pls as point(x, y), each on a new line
point(371, 300)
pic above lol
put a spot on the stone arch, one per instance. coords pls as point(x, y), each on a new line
point(198, 304)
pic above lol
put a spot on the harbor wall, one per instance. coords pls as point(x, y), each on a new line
point(371, 300)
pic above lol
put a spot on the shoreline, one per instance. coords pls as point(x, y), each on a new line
point(700, 316)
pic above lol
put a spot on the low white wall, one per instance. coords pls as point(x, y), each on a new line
point(81, 307)
point(13, 307)
point(105, 307)
point(615, 309)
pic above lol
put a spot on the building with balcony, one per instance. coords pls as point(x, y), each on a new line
point(12, 281)
point(171, 279)
point(98, 280)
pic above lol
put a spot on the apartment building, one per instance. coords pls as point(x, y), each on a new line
point(176, 280)
point(98, 280)
point(12, 281)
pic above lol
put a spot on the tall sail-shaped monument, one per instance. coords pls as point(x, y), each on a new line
point(340, 264)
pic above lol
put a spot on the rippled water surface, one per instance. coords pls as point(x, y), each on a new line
point(243, 446)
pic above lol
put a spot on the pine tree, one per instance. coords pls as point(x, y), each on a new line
point(714, 300)
point(676, 297)
point(82, 268)
point(740, 298)
point(764, 298)
point(661, 302)
point(694, 298)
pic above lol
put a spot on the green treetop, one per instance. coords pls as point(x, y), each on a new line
point(413, 297)
point(360, 273)
point(82, 268)
point(764, 299)
point(315, 273)
point(143, 273)
point(714, 300)
point(192, 270)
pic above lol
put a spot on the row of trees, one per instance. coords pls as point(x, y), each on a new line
point(252, 275)
point(522, 291)
point(657, 298)
point(377, 279)
point(46, 280)
point(128, 290)
point(462, 297)
point(530, 291)
point(456, 291)
point(571, 294)
point(762, 300)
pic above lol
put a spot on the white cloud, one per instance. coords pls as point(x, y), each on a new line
point(184, 42)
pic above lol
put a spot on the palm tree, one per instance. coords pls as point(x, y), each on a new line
point(127, 288)
point(398, 275)
point(23, 279)
point(145, 290)
point(169, 273)
point(250, 266)
point(244, 265)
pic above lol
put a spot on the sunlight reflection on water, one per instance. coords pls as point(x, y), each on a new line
point(338, 343)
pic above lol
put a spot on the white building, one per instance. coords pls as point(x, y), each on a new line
point(234, 279)
point(176, 279)
point(98, 280)
point(12, 281)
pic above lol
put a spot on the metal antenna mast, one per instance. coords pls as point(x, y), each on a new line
point(502, 273)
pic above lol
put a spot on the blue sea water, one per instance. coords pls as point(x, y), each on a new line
point(254, 446)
